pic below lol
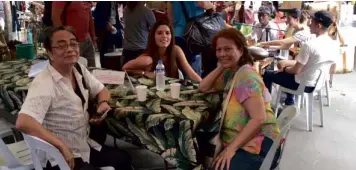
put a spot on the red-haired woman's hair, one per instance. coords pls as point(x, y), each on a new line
point(152, 50)
point(240, 42)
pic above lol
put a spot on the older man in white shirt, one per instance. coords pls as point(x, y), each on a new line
point(55, 108)
point(266, 30)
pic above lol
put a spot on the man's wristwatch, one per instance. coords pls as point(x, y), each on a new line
point(102, 101)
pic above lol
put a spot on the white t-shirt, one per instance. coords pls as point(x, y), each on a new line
point(260, 33)
point(315, 51)
point(303, 36)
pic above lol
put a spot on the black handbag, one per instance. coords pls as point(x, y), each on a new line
point(201, 30)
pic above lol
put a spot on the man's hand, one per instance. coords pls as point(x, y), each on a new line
point(68, 156)
point(109, 27)
point(95, 45)
point(98, 118)
point(281, 64)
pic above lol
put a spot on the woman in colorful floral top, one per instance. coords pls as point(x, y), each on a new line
point(249, 126)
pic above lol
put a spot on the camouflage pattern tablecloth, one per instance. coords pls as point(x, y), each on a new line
point(161, 124)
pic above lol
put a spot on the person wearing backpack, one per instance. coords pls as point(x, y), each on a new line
point(179, 23)
point(76, 14)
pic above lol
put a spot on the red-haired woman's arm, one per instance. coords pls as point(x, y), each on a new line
point(185, 65)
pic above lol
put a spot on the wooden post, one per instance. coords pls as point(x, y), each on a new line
point(8, 19)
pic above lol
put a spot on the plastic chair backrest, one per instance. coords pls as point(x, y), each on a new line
point(322, 69)
point(284, 121)
point(37, 144)
point(180, 75)
point(10, 159)
point(287, 115)
point(267, 162)
point(83, 61)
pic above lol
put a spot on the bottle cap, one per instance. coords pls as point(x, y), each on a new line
point(160, 62)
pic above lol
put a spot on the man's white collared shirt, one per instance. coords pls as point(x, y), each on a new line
point(52, 101)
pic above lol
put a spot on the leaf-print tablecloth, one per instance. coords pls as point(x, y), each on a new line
point(163, 125)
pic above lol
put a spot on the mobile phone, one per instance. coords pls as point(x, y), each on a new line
point(105, 113)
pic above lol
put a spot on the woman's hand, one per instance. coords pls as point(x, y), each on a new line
point(222, 161)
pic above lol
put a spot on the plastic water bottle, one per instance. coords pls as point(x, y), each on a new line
point(160, 76)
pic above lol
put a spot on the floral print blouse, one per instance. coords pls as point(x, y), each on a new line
point(248, 84)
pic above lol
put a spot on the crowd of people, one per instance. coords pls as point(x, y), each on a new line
point(55, 108)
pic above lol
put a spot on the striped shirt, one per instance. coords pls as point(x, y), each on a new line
point(52, 101)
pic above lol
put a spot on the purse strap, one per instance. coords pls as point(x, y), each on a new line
point(226, 101)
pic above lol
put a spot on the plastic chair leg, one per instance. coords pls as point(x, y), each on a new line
point(278, 100)
point(327, 88)
point(309, 110)
point(321, 110)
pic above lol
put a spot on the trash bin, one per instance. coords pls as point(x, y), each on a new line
point(25, 51)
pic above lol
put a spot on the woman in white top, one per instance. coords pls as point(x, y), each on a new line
point(298, 21)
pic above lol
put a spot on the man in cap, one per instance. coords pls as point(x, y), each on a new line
point(301, 34)
point(318, 50)
point(266, 30)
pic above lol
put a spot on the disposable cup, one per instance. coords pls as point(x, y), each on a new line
point(175, 90)
point(141, 93)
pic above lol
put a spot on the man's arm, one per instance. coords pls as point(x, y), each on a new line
point(301, 60)
point(29, 125)
point(92, 29)
point(295, 69)
point(205, 5)
point(57, 10)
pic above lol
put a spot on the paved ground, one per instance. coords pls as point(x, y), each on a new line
point(333, 146)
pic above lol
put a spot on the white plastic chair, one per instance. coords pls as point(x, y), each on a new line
point(17, 155)
point(327, 88)
point(36, 143)
point(284, 120)
point(320, 68)
point(180, 75)
point(83, 61)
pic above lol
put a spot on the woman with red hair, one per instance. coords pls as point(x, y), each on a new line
point(249, 125)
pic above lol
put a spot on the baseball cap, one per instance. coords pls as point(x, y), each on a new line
point(264, 10)
point(295, 13)
point(323, 17)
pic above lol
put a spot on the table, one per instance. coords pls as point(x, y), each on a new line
point(110, 60)
point(166, 126)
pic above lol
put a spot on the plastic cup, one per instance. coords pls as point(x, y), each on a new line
point(175, 90)
point(141, 93)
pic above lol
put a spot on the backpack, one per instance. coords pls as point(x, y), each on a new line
point(47, 15)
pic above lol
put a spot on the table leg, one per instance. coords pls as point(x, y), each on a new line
point(165, 165)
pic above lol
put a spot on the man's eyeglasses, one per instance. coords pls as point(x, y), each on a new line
point(65, 46)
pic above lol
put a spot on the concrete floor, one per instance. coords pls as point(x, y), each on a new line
point(333, 146)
